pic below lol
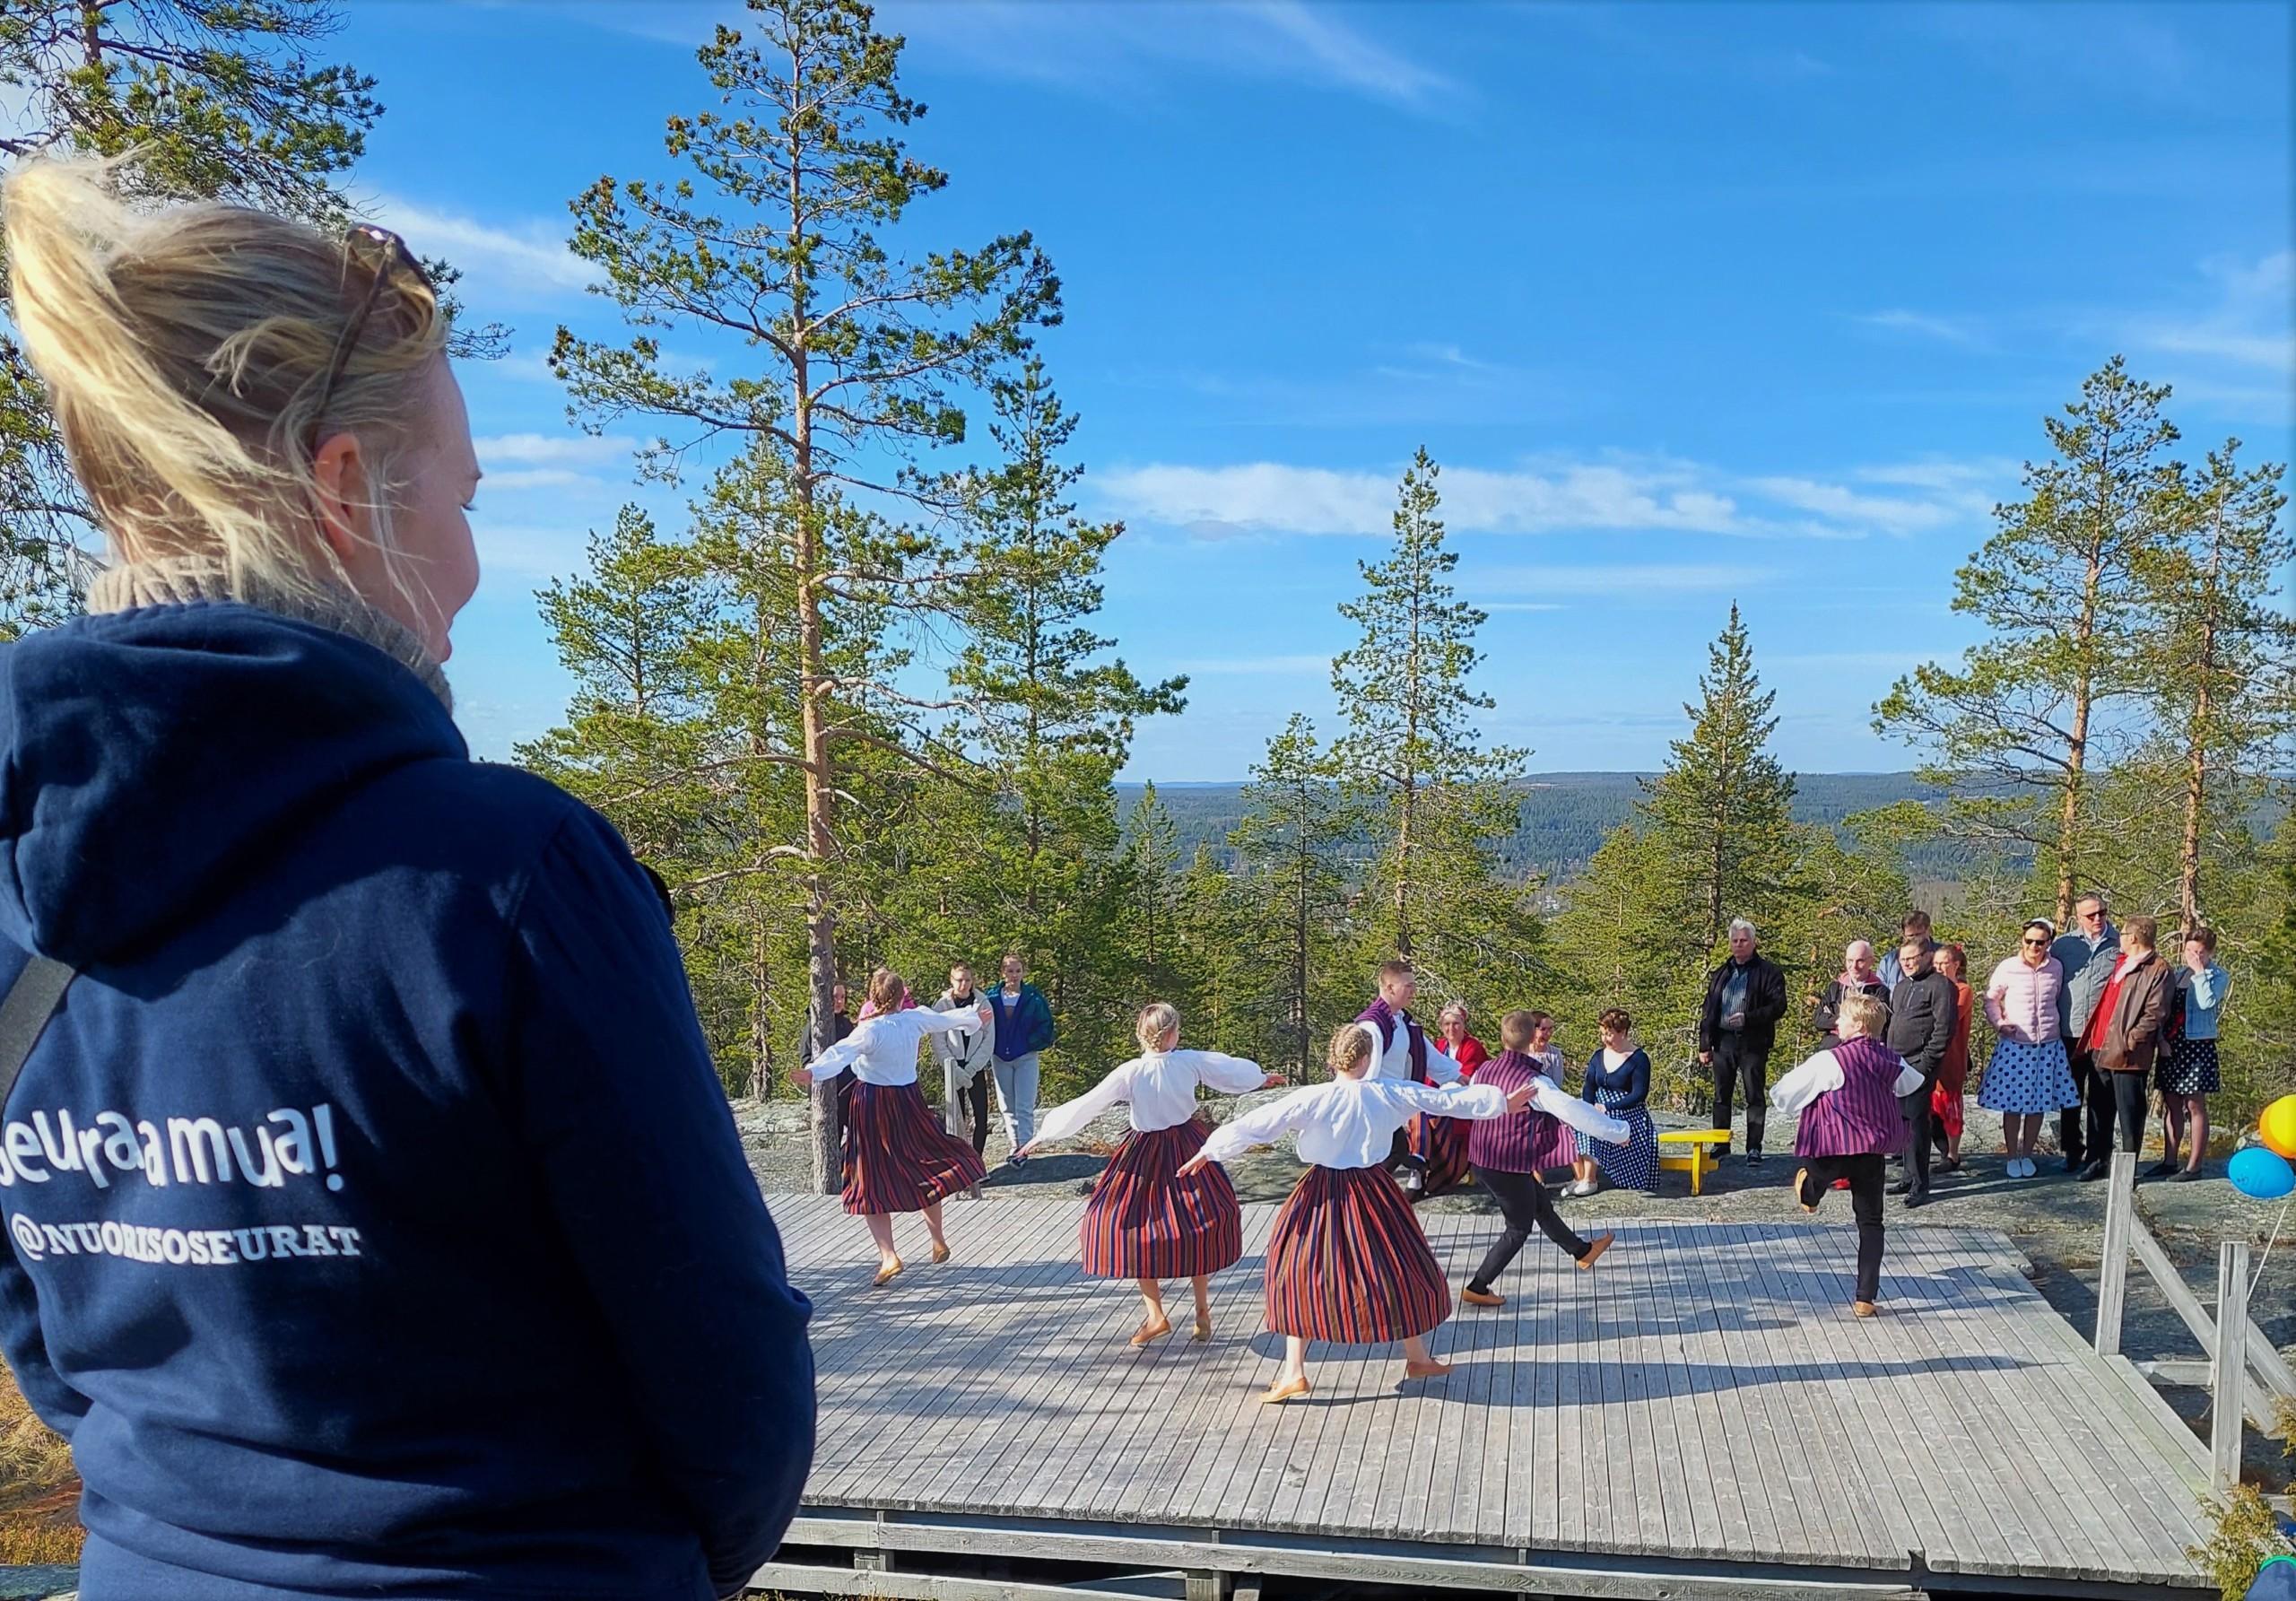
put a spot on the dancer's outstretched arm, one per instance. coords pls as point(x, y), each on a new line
point(1068, 1119)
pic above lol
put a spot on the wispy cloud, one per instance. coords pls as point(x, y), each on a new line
point(1621, 580)
point(498, 261)
point(1950, 330)
point(1624, 494)
point(551, 449)
point(1123, 48)
point(2251, 323)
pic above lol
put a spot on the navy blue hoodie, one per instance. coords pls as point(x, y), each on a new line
point(375, 1224)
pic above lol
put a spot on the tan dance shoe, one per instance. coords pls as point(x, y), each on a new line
point(1148, 1334)
point(1284, 1390)
point(1595, 1248)
point(1425, 1369)
point(1801, 1188)
point(1864, 1308)
point(886, 1274)
point(1481, 1298)
point(940, 1253)
point(1203, 1330)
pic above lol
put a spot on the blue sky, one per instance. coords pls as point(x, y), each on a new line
point(1690, 302)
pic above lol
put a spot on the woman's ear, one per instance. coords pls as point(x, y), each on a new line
point(339, 470)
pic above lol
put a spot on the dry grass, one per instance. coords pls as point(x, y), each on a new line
point(39, 1493)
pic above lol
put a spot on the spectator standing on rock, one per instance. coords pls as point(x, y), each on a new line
point(1857, 976)
point(2026, 1079)
point(1745, 997)
point(1915, 930)
point(2188, 1074)
point(1021, 1021)
point(967, 1059)
point(2124, 1037)
point(2086, 954)
point(1946, 1105)
point(1923, 1010)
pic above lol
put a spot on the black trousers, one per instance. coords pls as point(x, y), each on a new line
point(1915, 1109)
point(2084, 1084)
point(1736, 1062)
point(1865, 1174)
point(2124, 1097)
point(973, 1096)
point(1524, 1203)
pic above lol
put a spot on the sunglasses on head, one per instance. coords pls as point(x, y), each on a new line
point(381, 255)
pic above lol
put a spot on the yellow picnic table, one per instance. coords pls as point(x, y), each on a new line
point(1694, 1157)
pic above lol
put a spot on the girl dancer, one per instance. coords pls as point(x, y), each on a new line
point(1618, 1080)
point(1503, 1151)
point(1145, 1222)
point(897, 1158)
point(1848, 1101)
point(1347, 1262)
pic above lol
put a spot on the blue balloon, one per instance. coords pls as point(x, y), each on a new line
point(2261, 1174)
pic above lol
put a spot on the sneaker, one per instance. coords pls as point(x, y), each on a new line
point(1583, 1189)
point(2021, 1167)
point(1413, 1180)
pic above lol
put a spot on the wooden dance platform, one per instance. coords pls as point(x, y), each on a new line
point(1699, 1418)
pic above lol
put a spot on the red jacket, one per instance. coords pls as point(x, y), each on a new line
point(1469, 1054)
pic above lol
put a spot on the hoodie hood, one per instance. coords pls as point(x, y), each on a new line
point(150, 758)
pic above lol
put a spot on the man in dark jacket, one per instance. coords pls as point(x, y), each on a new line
point(1744, 998)
point(1923, 1010)
point(2088, 953)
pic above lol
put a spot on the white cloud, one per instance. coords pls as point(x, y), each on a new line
point(1952, 330)
point(497, 262)
point(542, 449)
point(539, 478)
point(2251, 324)
point(1331, 49)
point(1623, 579)
point(530, 552)
point(1621, 494)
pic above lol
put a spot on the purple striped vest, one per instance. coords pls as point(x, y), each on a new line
point(1505, 1145)
point(1862, 1116)
point(1384, 1018)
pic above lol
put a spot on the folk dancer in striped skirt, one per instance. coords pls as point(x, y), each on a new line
point(1431, 1153)
point(897, 1156)
point(1505, 1153)
point(1145, 1222)
point(1347, 1262)
point(1850, 1120)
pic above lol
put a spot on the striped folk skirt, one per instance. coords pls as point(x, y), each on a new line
point(897, 1156)
point(1145, 1221)
point(1347, 1264)
point(1443, 1142)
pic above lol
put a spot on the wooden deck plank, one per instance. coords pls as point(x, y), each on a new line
point(1702, 1392)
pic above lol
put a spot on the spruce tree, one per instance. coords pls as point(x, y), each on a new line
point(857, 357)
point(2018, 731)
point(1411, 746)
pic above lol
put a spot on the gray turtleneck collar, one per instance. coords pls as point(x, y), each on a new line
point(180, 580)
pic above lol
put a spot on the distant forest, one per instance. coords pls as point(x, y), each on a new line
point(1566, 817)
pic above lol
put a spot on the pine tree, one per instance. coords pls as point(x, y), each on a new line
point(2018, 731)
point(2223, 651)
point(217, 101)
point(1412, 742)
point(863, 355)
point(1291, 844)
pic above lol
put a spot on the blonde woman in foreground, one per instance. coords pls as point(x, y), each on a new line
point(1346, 1261)
point(1145, 1222)
point(392, 1129)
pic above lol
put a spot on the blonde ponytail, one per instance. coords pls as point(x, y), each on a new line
point(184, 352)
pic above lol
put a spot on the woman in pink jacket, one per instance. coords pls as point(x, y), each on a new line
point(2028, 1076)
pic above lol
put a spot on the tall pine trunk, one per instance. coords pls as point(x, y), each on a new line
point(2076, 743)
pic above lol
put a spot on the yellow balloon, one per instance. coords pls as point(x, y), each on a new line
point(2278, 1125)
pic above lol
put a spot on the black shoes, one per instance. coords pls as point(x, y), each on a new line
point(1919, 1197)
point(2161, 1170)
point(2092, 1173)
point(1754, 1159)
point(2072, 1162)
point(2185, 1175)
point(1903, 1187)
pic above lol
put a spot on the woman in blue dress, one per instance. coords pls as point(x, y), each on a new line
point(1618, 1080)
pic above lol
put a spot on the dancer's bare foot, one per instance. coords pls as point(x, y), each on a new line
point(1148, 1333)
point(1429, 1369)
point(1481, 1298)
point(1595, 1248)
point(887, 1271)
point(1284, 1390)
point(1203, 1330)
point(941, 1251)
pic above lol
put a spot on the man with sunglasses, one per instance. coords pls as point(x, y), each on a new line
point(2087, 952)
